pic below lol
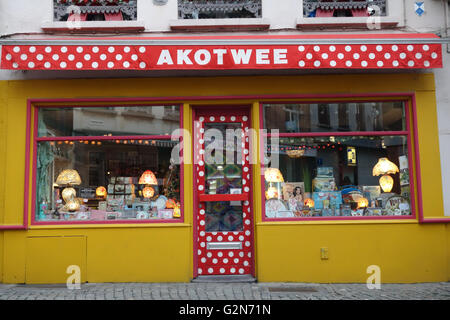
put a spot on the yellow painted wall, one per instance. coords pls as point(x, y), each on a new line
point(406, 252)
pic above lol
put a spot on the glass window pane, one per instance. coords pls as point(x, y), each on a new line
point(223, 159)
point(223, 216)
point(335, 117)
point(338, 176)
point(114, 121)
point(107, 180)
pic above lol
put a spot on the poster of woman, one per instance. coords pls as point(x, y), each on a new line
point(293, 194)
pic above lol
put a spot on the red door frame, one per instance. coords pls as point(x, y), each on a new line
point(214, 109)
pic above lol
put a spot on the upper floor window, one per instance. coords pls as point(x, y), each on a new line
point(95, 10)
point(339, 8)
point(219, 9)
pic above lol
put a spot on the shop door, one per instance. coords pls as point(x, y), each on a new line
point(222, 192)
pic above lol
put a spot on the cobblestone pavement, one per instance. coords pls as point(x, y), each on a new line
point(226, 291)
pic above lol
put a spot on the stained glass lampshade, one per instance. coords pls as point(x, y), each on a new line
point(148, 177)
point(273, 175)
point(384, 166)
point(68, 177)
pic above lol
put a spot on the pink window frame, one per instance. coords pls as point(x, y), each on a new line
point(68, 103)
point(407, 104)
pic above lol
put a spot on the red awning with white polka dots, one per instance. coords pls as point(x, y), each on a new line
point(368, 51)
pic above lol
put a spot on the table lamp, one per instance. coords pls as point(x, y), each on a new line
point(69, 178)
point(385, 167)
point(148, 178)
point(272, 176)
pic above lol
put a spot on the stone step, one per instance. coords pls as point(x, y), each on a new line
point(225, 279)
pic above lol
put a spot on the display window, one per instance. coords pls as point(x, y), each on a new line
point(106, 164)
point(337, 161)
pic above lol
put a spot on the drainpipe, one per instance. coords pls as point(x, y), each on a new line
point(446, 22)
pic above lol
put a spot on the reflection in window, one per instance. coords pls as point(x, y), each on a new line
point(339, 8)
point(338, 176)
point(114, 121)
point(335, 117)
point(95, 10)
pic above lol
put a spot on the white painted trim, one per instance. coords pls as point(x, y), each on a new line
point(342, 21)
point(219, 22)
point(62, 25)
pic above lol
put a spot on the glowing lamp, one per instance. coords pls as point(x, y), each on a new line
point(363, 202)
point(385, 167)
point(273, 175)
point(69, 177)
point(271, 193)
point(386, 183)
point(295, 153)
point(148, 177)
point(73, 205)
point(309, 203)
point(148, 192)
point(100, 192)
point(68, 194)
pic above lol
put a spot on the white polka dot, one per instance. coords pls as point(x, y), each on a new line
point(200, 271)
point(246, 263)
point(246, 189)
point(79, 65)
point(301, 48)
point(316, 48)
point(126, 64)
point(232, 270)
point(222, 270)
point(426, 47)
point(340, 56)
point(410, 48)
point(95, 65)
point(363, 48)
point(410, 63)
point(247, 221)
point(202, 233)
point(8, 57)
point(301, 63)
point(110, 64)
point(118, 57)
point(225, 260)
point(380, 64)
point(233, 118)
point(230, 238)
point(23, 57)
point(199, 252)
point(142, 49)
point(348, 63)
point(63, 64)
point(379, 48)
point(372, 56)
point(210, 270)
point(418, 55)
point(87, 57)
point(103, 57)
point(244, 118)
point(249, 254)
point(212, 118)
point(208, 238)
point(332, 49)
point(387, 56)
point(395, 63)
point(219, 238)
point(247, 243)
point(434, 55)
point(63, 49)
point(31, 64)
point(142, 65)
point(236, 260)
point(324, 56)
point(309, 56)
point(201, 173)
point(201, 163)
point(241, 254)
point(426, 63)
point(222, 118)
point(111, 49)
point(215, 261)
point(241, 238)
point(402, 55)
point(48, 49)
point(202, 222)
point(202, 244)
point(395, 48)
point(16, 49)
point(32, 49)
point(230, 254)
point(15, 65)
point(47, 65)
point(79, 49)
point(220, 254)
point(71, 57)
point(333, 63)
point(134, 57)
point(95, 50)
point(55, 57)
point(200, 187)
point(203, 260)
point(241, 271)
point(356, 56)
point(348, 48)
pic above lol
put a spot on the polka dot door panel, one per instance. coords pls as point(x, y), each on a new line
point(223, 186)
